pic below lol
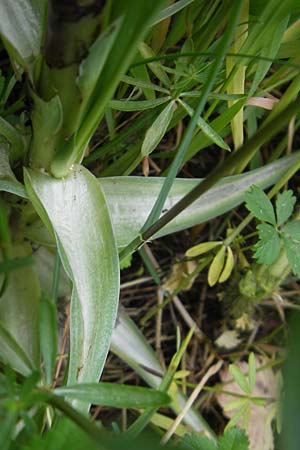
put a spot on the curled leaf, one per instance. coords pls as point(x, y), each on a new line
point(216, 267)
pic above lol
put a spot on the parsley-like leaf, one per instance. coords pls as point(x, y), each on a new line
point(267, 249)
point(234, 439)
point(259, 204)
point(284, 206)
point(291, 241)
point(197, 442)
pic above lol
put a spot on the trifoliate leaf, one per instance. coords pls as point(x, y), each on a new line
point(292, 229)
point(267, 249)
point(259, 204)
point(284, 206)
point(234, 439)
point(291, 241)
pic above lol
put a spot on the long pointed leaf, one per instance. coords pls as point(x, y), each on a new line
point(19, 310)
point(21, 28)
point(116, 395)
point(130, 199)
point(76, 210)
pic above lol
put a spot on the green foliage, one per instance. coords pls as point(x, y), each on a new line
point(104, 77)
point(276, 233)
point(232, 439)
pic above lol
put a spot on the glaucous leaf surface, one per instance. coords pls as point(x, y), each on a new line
point(75, 209)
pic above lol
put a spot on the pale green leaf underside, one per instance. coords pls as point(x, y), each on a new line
point(21, 26)
point(115, 395)
point(130, 199)
point(76, 210)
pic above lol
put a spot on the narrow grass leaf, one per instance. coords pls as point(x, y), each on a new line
point(137, 105)
point(92, 66)
point(207, 87)
point(155, 67)
point(76, 210)
point(206, 128)
point(267, 249)
point(171, 10)
point(48, 337)
point(260, 205)
point(251, 371)
point(115, 395)
point(143, 84)
point(157, 130)
point(132, 29)
point(131, 346)
point(284, 206)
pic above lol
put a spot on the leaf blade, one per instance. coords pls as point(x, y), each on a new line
point(115, 395)
point(259, 204)
point(75, 208)
point(267, 249)
point(284, 206)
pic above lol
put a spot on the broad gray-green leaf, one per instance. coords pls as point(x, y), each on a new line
point(19, 308)
point(130, 199)
point(157, 130)
point(75, 208)
point(21, 25)
point(130, 345)
point(8, 181)
point(115, 395)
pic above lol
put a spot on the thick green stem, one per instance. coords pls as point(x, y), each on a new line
point(72, 26)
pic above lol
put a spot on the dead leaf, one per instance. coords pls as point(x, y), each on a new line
point(259, 430)
point(179, 274)
point(229, 339)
